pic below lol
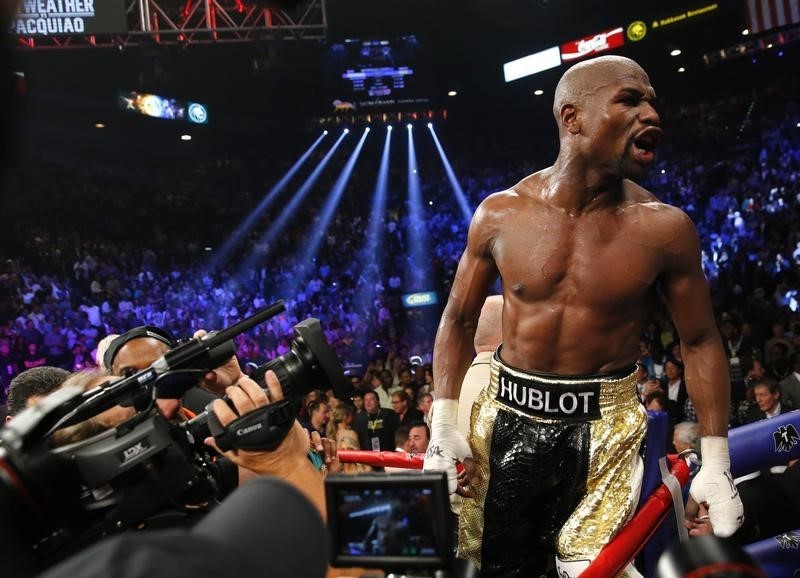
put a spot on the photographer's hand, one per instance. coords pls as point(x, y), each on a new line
point(222, 377)
point(289, 460)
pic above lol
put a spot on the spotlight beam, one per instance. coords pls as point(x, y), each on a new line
point(236, 237)
point(329, 208)
point(461, 198)
point(417, 232)
point(374, 230)
point(288, 211)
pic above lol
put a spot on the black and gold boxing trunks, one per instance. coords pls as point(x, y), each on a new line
point(558, 468)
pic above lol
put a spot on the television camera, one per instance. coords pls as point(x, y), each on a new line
point(146, 471)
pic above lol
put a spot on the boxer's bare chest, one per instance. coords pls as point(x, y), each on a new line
point(601, 259)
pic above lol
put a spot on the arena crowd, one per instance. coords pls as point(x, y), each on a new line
point(102, 250)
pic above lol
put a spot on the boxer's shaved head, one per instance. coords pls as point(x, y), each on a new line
point(582, 81)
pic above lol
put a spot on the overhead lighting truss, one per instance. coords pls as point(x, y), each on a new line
point(200, 22)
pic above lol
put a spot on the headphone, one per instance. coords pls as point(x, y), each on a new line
point(157, 333)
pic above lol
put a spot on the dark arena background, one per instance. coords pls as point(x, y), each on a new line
point(182, 164)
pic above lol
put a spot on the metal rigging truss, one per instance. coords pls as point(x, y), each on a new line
point(200, 22)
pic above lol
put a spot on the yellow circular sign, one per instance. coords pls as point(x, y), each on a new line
point(636, 31)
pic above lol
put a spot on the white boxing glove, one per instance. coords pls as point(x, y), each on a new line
point(447, 446)
point(714, 485)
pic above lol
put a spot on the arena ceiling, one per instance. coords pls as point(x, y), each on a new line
point(260, 85)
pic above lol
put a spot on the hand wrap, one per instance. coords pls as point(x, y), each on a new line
point(447, 446)
point(714, 485)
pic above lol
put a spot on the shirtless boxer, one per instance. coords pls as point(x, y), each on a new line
point(584, 253)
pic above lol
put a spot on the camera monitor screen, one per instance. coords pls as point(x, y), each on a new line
point(390, 521)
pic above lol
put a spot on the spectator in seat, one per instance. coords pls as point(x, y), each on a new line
point(418, 437)
point(656, 401)
point(318, 417)
point(33, 358)
point(424, 402)
point(340, 425)
point(686, 436)
point(778, 364)
point(358, 401)
point(386, 388)
point(406, 380)
point(768, 401)
point(376, 426)
point(401, 445)
point(401, 406)
point(675, 388)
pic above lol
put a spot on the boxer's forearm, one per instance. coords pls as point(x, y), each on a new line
point(708, 384)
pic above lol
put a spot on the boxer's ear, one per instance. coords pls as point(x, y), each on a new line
point(570, 119)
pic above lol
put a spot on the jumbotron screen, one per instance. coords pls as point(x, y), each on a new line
point(162, 107)
point(376, 75)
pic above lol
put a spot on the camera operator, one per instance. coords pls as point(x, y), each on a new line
point(139, 348)
point(247, 535)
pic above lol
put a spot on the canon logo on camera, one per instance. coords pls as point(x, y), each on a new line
point(246, 430)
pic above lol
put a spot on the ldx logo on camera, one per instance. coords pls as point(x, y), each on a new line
point(134, 451)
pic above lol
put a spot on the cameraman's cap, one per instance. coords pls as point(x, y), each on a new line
point(415, 360)
point(156, 333)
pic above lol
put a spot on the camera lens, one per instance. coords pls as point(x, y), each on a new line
point(308, 365)
point(294, 369)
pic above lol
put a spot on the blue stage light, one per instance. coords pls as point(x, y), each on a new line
point(461, 198)
point(288, 211)
point(314, 240)
point(374, 237)
point(221, 256)
point(418, 268)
